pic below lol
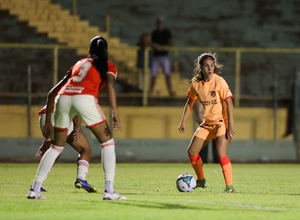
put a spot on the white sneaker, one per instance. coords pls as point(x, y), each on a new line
point(35, 195)
point(113, 196)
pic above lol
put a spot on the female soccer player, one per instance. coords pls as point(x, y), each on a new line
point(216, 98)
point(79, 97)
point(76, 138)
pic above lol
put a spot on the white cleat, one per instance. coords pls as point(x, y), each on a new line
point(113, 196)
point(35, 195)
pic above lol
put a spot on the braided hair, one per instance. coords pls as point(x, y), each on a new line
point(99, 56)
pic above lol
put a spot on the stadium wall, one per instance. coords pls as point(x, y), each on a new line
point(150, 134)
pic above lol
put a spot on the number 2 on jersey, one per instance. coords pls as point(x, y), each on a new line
point(84, 68)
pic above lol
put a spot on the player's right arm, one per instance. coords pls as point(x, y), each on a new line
point(78, 131)
point(187, 109)
point(198, 108)
point(230, 129)
point(47, 129)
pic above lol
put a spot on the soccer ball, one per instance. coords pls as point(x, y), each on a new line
point(186, 183)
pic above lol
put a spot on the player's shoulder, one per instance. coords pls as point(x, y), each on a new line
point(111, 68)
point(84, 60)
point(195, 85)
point(110, 65)
point(219, 78)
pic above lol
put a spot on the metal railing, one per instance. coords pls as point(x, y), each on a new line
point(238, 55)
point(176, 50)
point(238, 52)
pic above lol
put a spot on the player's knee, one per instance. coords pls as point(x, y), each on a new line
point(86, 150)
point(221, 152)
point(89, 150)
point(192, 152)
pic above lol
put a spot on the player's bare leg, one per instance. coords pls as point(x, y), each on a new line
point(193, 151)
point(81, 145)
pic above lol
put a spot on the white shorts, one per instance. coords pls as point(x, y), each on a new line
point(85, 106)
point(161, 61)
point(42, 120)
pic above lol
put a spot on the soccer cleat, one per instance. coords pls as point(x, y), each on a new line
point(229, 189)
point(113, 196)
point(85, 185)
point(35, 195)
point(202, 183)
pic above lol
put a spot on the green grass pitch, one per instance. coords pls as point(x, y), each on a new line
point(263, 191)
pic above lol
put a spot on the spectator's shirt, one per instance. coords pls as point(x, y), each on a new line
point(212, 96)
point(162, 38)
point(85, 79)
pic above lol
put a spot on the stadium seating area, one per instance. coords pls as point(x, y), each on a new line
point(68, 29)
point(208, 25)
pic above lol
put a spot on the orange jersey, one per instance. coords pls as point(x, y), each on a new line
point(212, 96)
point(85, 79)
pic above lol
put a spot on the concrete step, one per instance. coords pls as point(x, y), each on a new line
point(44, 15)
point(68, 29)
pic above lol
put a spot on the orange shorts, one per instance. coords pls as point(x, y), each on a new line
point(210, 131)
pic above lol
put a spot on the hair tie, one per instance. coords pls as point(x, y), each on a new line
point(205, 58)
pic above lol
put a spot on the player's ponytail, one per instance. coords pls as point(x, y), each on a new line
point(98, 50)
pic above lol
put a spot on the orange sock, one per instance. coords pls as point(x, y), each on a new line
point(227, 170)
point(197, 164)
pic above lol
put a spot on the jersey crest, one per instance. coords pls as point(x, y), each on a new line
point(213, 93)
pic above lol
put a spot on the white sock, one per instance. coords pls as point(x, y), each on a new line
point(82, 169)
point(45, 166)
point(109, 186)
point(36, 186)
point(108, 160)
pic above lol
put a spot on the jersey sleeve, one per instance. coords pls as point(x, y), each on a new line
point(191, 93)
point(112, 69)
point(224, 90)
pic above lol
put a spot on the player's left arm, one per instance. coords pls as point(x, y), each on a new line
point(226, 95)
point(111, 93)
point(199, 112)
point(230, 129)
